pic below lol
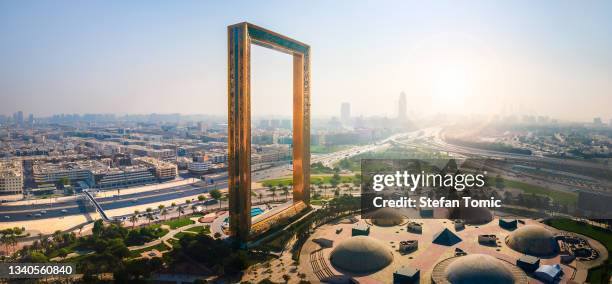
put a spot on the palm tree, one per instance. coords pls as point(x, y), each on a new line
point(273, 189)
point(161, 207)
point(285, 191)
point(13, 241)
point(201, 198)
point(260, 196)
point(134, 218)
point(4, 241)
point(57, 236)
point(149, 215)
point(164, 212)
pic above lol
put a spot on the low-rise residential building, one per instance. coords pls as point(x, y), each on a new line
point(52, 173)
point(123, 177)
point(93, 173)
point(271, 153)
point(11, 177)
point(199, 167)
point(163, 170)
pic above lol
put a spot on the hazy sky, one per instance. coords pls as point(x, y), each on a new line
point(538, 57)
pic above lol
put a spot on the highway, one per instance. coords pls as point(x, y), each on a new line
point(78, 206)
point(16, 213)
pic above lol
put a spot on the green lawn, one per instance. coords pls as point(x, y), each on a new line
point(177, 223)
point(161, 247)
point(605, 237)
point(596, 275)
point(316, 202)
point(205, 229)
point(69, 249)
point(158, 231)
point(561, 197)
point(313, 179)
point(174, 243)
point(182, 234)
point(319, 149)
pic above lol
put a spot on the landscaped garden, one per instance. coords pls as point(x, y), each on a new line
point(604, 236)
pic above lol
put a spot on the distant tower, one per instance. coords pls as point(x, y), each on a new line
point(345, 112)
point(597, 121)
point(18, 116)
point(401, 113)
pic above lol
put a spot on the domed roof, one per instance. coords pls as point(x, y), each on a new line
point(533, 240)
point(472, 215)
point(386, 217)
point(361, 254)
point(478, 268)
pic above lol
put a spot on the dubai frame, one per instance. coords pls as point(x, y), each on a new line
point(240, 38)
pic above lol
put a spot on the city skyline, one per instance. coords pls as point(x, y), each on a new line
point(510, 58)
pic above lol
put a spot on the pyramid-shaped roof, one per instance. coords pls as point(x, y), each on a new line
point(446, 238)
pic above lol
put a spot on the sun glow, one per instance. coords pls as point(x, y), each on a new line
point(451, 85)
point(455, 73)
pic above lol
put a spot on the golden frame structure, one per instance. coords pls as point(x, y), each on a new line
point(240, 37)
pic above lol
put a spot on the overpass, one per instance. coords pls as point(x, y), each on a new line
point(95, 203)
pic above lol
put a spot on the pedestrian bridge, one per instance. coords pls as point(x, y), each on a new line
point(96, 205)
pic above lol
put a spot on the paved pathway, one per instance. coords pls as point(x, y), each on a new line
point(168, 236)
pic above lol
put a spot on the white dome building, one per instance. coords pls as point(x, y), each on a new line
point(478, 269)
point(386, 217)
point(472, 215)
point(361, 254)
point(533, 240)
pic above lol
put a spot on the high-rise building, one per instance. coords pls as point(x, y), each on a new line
point(286, 124)
point(18, 117)
point(202, 127)
point(345, 112)
point(31, 119)
point(597, 121)
point(401, 113)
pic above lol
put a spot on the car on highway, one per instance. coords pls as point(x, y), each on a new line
point(64, 211)
point(37, 215)
point(7, 217)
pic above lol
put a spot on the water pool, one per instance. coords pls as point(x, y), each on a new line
point(254, 212)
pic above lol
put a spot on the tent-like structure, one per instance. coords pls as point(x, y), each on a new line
point(549, 273)
point(408, 275)
point(508, 224)
point(446, 238)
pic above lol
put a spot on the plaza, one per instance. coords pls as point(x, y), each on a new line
point(431, 259)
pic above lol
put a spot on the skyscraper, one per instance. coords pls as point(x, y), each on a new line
point(401, 113)
point(345, 112)
point(18, 117)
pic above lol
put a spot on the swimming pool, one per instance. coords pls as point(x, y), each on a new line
point(254, 212)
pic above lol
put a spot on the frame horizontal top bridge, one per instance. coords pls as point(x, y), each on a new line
point(270, 39)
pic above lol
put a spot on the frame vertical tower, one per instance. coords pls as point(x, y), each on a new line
point(240, 38)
